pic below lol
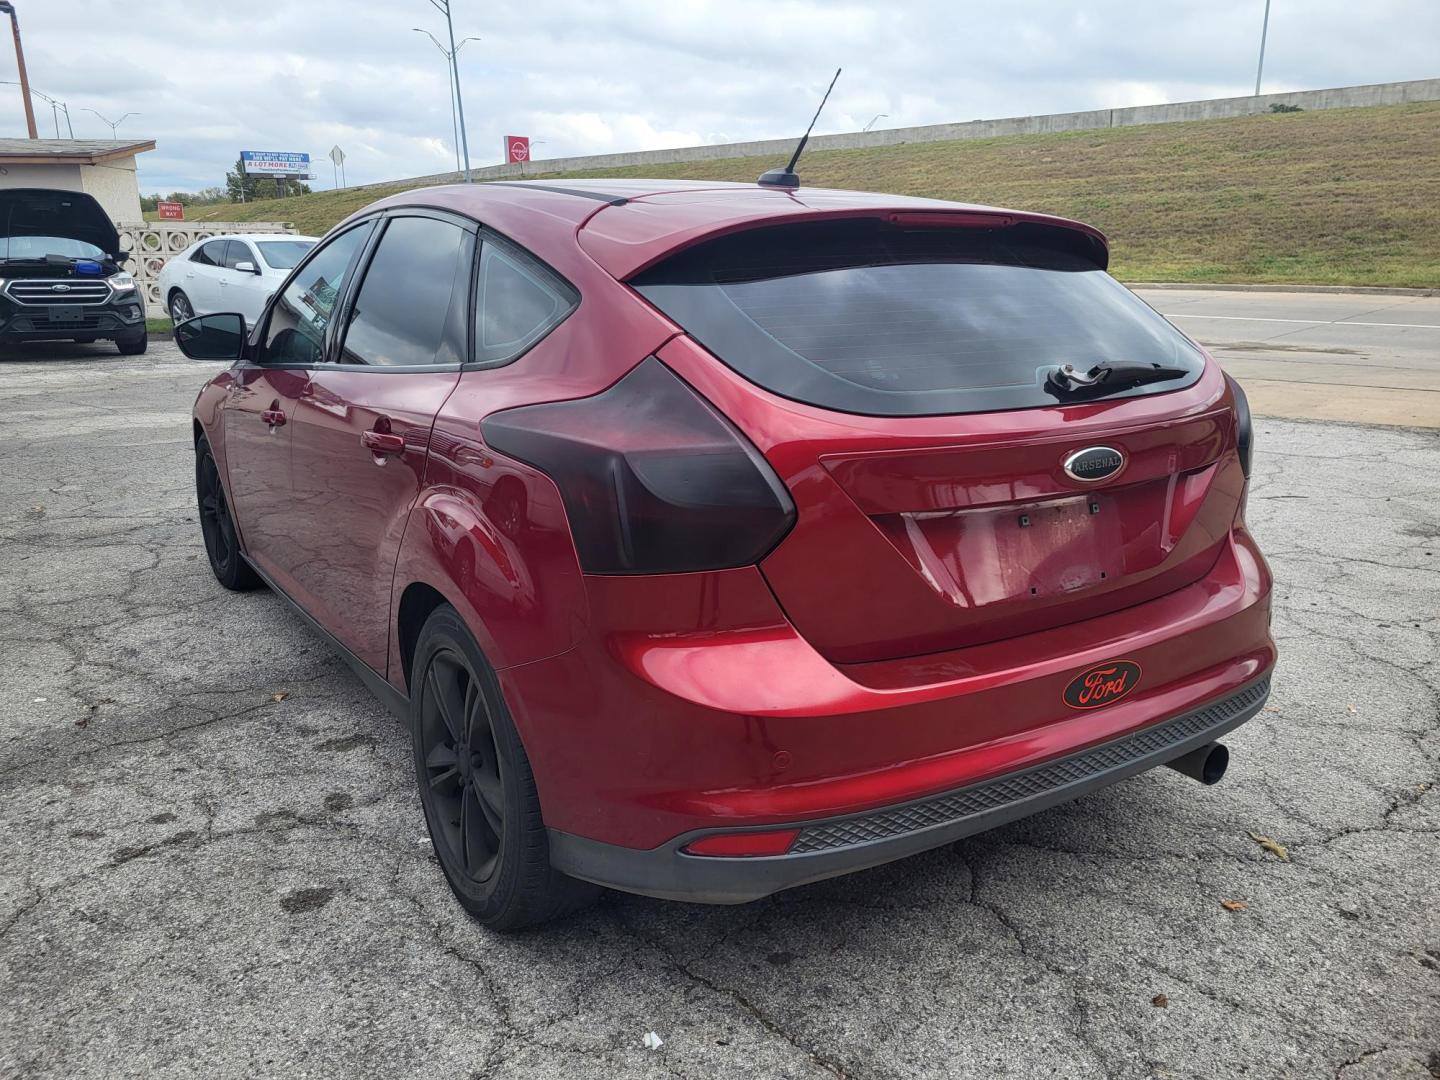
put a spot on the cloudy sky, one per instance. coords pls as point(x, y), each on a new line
point(589, 76)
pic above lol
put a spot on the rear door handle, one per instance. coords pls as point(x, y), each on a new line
point(273, 417)
point(383, 442)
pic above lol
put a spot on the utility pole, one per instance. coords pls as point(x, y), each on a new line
point(56, 107)
point(7, 8)
point(443, 6)
point(1264, 29)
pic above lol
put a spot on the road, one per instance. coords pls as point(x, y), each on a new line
point(1370, 359)
point(214, 859)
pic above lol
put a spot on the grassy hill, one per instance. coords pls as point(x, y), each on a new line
point(1343, 197)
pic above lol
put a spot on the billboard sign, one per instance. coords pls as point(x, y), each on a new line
point(517, 148)
point(274, 163)
point(171, 211)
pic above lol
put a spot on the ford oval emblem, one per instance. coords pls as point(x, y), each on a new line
point(59, 288)
point(1094, 463)
point(1102, 684)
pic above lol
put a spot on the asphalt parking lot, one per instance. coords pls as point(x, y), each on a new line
point(1361, 357)
point(213, 857)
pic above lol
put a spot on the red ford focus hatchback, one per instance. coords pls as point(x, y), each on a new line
point(717, 538)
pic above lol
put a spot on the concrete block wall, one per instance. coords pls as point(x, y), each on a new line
point(780, 149)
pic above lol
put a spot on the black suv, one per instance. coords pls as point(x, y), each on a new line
point(60, 272)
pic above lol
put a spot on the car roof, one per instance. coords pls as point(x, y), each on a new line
point(627, 224)
point(258, 236)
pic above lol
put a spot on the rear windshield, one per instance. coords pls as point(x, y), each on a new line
point(873, 318)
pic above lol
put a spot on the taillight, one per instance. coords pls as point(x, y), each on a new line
point(1244, 430)
point(654, 479)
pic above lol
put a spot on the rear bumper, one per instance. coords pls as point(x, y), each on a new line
point(690, 704)
point(828, 847)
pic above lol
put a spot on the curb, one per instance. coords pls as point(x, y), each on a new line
point(1363, 290)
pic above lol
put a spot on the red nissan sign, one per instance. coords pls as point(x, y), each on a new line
point(517, 148)
point(171, 211)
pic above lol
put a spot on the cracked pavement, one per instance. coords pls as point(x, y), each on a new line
point(201, 878)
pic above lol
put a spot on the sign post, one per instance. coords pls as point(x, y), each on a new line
point(337, 157)
point(171, 211)
point(517, 148)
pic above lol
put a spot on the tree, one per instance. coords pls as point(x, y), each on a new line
point(240, 186)
point(204, 197)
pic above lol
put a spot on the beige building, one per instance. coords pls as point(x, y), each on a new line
point(103, 168)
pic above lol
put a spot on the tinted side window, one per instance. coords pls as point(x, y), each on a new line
point(296, 334)
point(402, 313)
point(238, 251)
point(517, 303)
point(211, 254)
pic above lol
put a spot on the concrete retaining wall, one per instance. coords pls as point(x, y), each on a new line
point(780, 149)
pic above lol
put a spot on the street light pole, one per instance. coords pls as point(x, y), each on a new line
point(1264, 30)
point(114, 124)
point(7, 8)
point(443, 6)
point(450, 81)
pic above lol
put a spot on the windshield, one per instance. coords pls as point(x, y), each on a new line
point(37, 247)
point(873, 318)
point(283, 254)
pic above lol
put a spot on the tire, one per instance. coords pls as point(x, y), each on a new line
point(180, 307)
point(222, 543)
point(483, 812)
point(136, 347)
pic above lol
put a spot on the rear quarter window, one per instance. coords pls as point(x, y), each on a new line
point(517, 302)
point(873, 318)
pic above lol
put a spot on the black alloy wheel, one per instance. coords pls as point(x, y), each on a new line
point(477, 787)
point(222, 545)
point(462, 767)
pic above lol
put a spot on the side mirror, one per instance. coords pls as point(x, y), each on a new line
point(212, 337)
point(245, 266)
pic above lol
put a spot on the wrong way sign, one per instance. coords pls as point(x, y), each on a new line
point(517, 148)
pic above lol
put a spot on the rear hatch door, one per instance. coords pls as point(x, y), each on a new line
point(899, 376)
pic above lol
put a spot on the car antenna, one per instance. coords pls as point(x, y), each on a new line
point(786, 178)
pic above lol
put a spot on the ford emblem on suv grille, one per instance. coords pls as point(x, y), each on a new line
point(1094, 463)
point(60, 288)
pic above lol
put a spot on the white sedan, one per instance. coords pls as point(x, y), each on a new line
point(230, 273)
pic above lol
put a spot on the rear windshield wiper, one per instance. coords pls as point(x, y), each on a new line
point(1067, 381)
